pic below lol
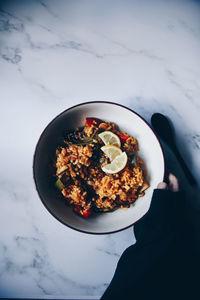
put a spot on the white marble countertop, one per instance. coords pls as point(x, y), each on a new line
point(54, 54)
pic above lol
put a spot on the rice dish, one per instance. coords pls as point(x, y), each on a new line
point(79, 165)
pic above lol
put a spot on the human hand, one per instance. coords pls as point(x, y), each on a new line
point(173, 184)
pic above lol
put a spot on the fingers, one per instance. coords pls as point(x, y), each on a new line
point(162, 186)
point(173, 184)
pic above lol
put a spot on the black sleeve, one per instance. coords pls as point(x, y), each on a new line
point(163, 216)
point(154, 238)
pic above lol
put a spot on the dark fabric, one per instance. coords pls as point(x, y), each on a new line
point(164, 263)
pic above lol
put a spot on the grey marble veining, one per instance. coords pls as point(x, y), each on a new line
point(54, 54)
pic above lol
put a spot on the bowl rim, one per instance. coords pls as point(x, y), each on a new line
point(37, 148)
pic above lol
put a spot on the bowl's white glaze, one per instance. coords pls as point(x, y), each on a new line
point(149, 150)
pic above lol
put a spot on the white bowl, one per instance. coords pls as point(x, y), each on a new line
point(149, 150)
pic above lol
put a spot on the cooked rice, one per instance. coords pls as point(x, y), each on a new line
point(85, 184)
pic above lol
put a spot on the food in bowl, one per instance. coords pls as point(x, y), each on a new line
point(98, 170)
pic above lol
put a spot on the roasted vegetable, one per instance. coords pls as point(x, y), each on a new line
point(133, 159)
point(85, 213)
point(59, 184)
point(77, 137)
point(123, 137)
point(92, 121)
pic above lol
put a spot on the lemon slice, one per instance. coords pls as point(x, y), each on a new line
point(117, 164)
point(109, 138)
point(111, 151)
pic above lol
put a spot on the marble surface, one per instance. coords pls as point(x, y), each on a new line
point(54, 54)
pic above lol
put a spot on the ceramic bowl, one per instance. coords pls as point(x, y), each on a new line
point(149, 150)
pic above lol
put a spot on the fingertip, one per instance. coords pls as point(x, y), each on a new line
point(173, 183)
point(172, 176)
point(162, 186)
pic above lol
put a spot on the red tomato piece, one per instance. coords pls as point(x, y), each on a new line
point(82, 212)
point(87, 213)
point(123, 137)
point(90, 121)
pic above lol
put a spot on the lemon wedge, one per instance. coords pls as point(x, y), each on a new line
point(109, 138)
point(118, 164)
point(111, 151)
